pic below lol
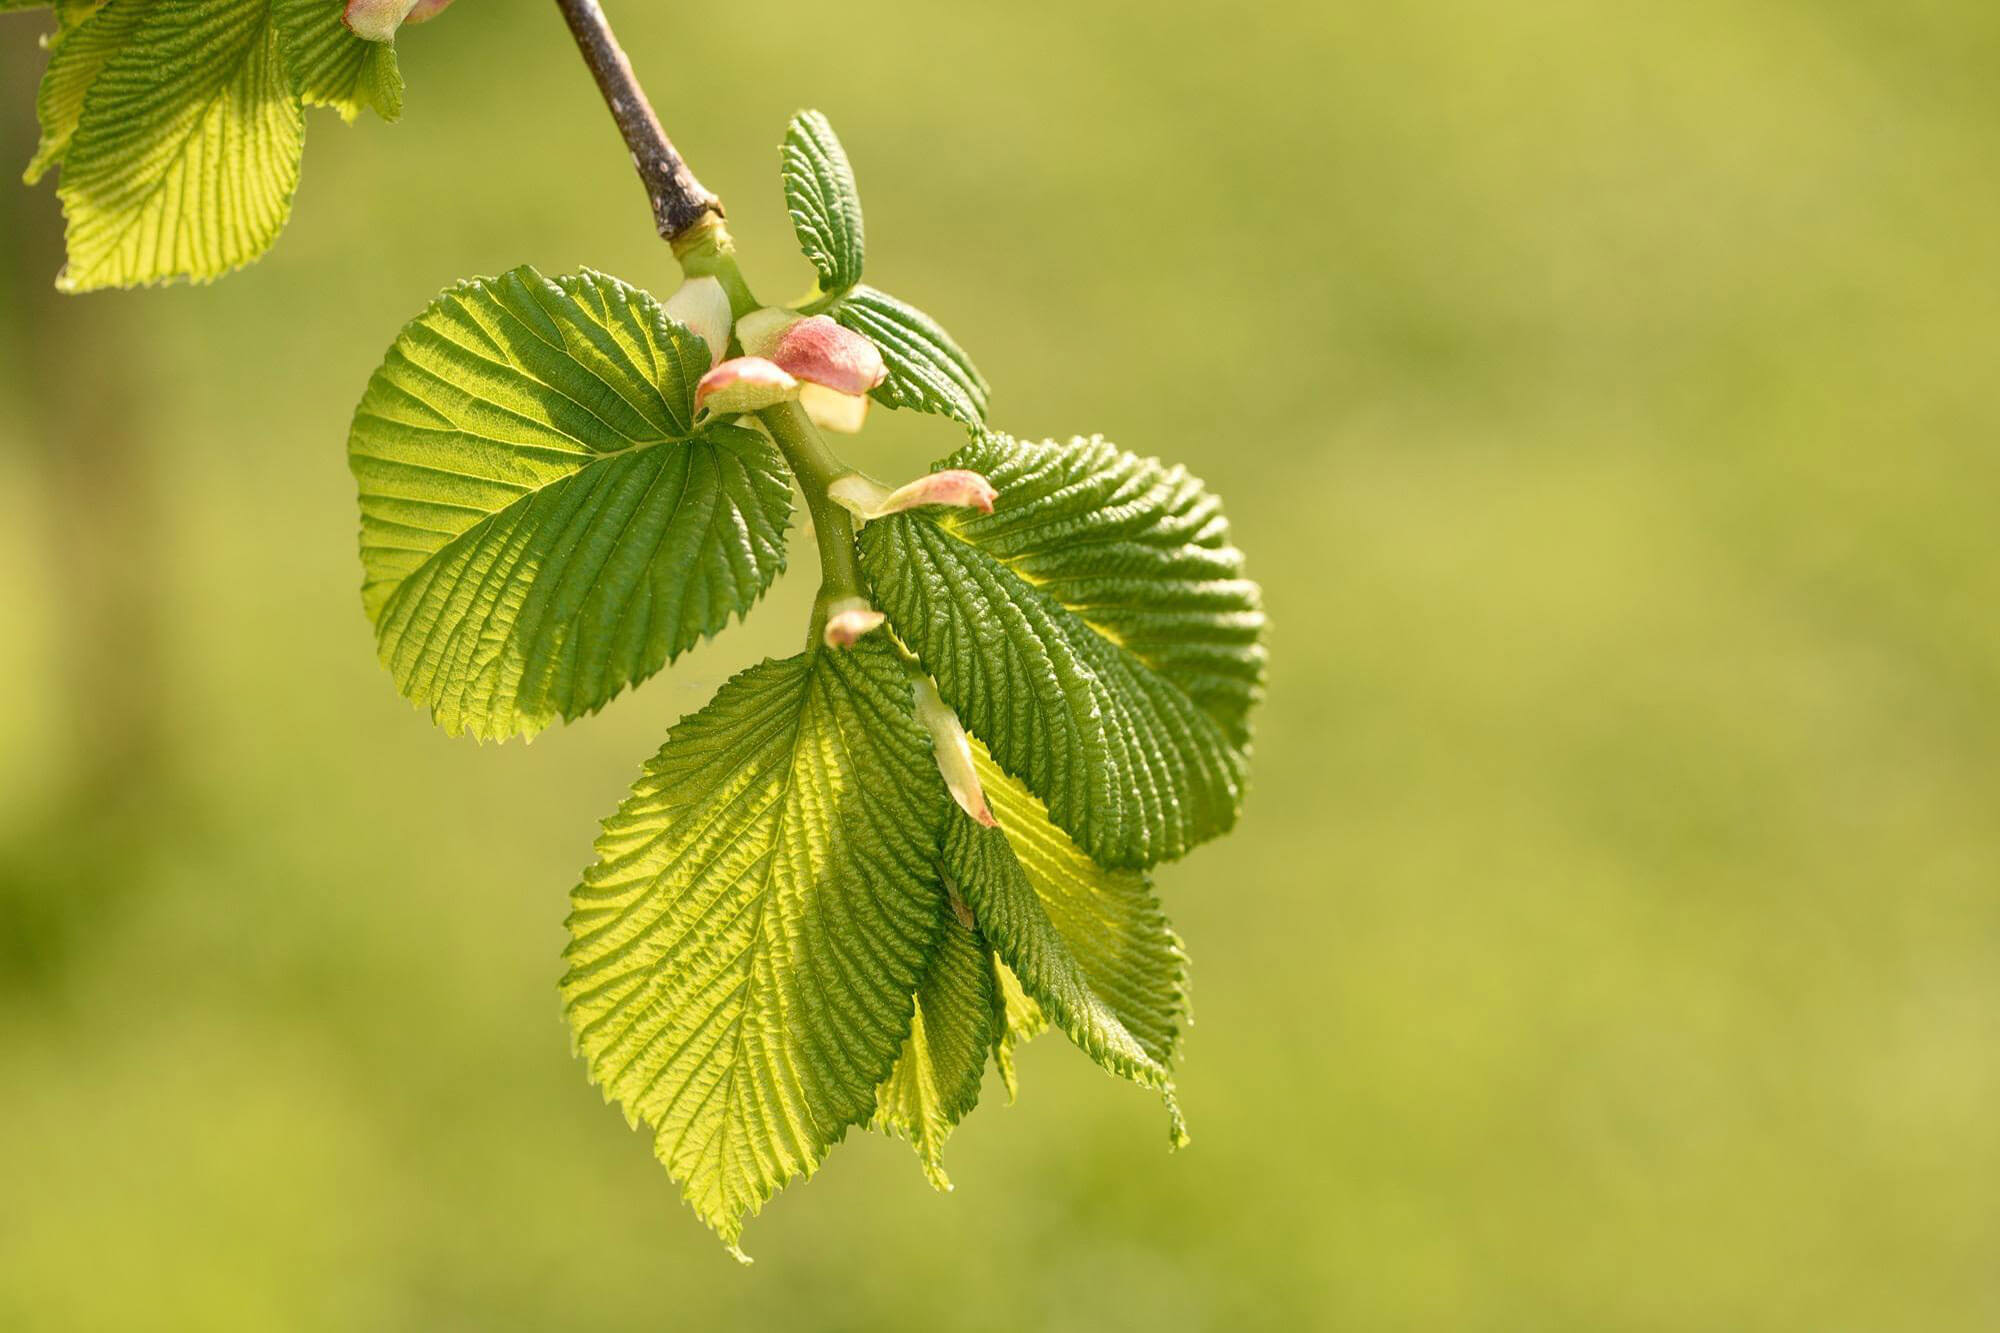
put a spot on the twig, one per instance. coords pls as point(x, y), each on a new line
point(680, 202)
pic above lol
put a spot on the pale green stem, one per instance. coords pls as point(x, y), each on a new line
point(709, 251)
point(816, 468)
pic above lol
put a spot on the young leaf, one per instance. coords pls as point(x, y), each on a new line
point(1021, 1021)
point(957, 1019)
point(743, 953)
point(825, 207)
point(332, 67)
point(187, 151)
point(76, 57)
point(1095, 629)
point(541, 524)
point(1090, 946)
point(928, 372)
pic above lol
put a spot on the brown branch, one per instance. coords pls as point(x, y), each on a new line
point(680, 202)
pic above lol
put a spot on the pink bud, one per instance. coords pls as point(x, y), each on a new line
point(824, 352)
point(377, 20)
point(760, 330)
point(954, 486)
point(953, 751)
point(813, 348)
point(832, 410)
point(703, 307)
point(743, 384)
point(426, 9)
point(848, 619)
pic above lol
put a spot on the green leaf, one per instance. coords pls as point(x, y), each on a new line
point(76, 57)
point(825, 207)
point(1090, 946)
point(956, 1021)
point(927, 370)
point(743, 953)
point(541, 524)
point(332, 67)
point(1095, 630)
point(186, 155)
point(68, 13)
point(1021, 1021)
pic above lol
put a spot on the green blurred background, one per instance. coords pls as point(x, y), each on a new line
point(1605, 395)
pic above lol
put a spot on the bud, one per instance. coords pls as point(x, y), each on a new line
point(743, 384)
point(824, 352)
point(814, 348)
point(848, 619)
point(956, 486)
point(425, 10)
point(953, 751)
point(377, 20)
point(702, 305)
point(760, 330)
point(834, 411)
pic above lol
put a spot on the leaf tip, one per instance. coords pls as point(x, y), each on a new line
point(1177, 1130)
point(934, 1173)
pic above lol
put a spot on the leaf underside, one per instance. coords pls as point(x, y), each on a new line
point(186, 153)
point(953, 1028)
point(1021, 1021)
point(1086, 946)
point(1040, 932)
point(763, 906)
point(76, 57)
point(1096, 630)
point(542, 525)
point(179, 127)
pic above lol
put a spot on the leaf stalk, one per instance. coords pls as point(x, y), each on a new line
point(817, 468)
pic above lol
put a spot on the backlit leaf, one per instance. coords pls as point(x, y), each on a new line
point(743, 953)
point(542, 525)
point(956, 1021)
point(1095, 630)
point(1089, 946)
point(186, 154)
point(330, 66)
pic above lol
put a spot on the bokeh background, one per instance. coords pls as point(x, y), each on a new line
point(1606, 397)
